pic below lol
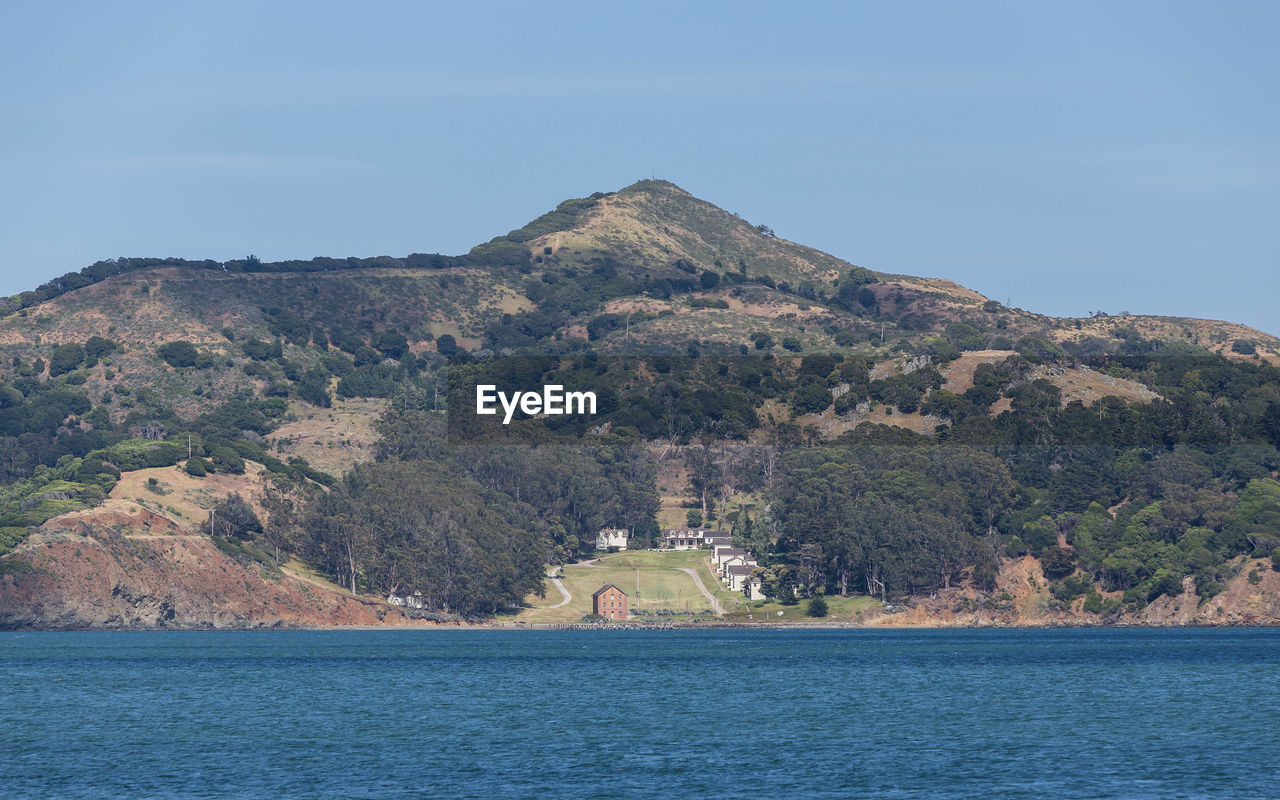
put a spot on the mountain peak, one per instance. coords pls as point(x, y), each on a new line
point(654, 185)
point(653, 227)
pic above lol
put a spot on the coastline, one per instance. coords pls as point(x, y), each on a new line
point(644, 626)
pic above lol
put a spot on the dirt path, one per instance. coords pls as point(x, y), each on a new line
point(557, 583)
point(697, 580)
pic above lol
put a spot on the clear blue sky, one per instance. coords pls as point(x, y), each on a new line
point(1067, 157)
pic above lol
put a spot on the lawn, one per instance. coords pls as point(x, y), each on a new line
point(839, 609)
point(653, 580)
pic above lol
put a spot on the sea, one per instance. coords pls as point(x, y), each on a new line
point(726, 713)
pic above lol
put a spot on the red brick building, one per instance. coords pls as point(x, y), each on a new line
point(609, 602)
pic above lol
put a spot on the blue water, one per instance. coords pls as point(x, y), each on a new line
point(701, 714)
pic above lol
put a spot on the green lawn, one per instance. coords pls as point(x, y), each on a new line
point(839, 609)
point(652, 579)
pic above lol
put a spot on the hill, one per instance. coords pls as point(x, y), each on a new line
point(310, 388)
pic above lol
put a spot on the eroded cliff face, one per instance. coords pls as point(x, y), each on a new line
point(1022, 599)
point(121, 566)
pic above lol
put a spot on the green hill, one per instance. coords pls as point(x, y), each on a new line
point(1167, 424)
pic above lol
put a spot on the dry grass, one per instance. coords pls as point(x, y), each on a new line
point(185, 499)
point(331, 439)
point(939, 286)
point(959, 373)
point(1089, 386)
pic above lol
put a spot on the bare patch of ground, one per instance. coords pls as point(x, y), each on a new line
point(122, 566)
point(331, 439)
point(959, 373)
point(1089, 386)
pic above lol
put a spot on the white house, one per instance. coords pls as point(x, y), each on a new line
point(611, 538)
point(682, 538)
point(714, 538)
point(692, 538)
point(736, 576)
point(722, 552)
point(735, 561)
point(408, 601)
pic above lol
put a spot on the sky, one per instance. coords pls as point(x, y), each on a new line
point(1061, 157)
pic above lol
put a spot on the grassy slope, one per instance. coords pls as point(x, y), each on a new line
point(654, 580)
point(651, 224)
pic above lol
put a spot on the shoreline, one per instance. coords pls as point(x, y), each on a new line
point(562, 627)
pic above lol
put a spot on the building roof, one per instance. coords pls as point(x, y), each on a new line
point(606, 587)
point(740, 569)
point(730, 551)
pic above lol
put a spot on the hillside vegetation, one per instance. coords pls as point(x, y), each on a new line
point(862, 433)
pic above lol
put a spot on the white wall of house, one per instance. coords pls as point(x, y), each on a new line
point(611, 537)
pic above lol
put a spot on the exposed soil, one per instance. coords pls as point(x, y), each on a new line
point(1022, 599)
point(122, 566)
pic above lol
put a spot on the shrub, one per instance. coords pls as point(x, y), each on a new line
point(846, 338)
point(707, 302)
point(96, 348)
point(179, 354)
point(65, 358)
point(1058, 561)
point(812, 398)
point(227, 460)
point(446, 345)
point(262, 351)
point(196, 467)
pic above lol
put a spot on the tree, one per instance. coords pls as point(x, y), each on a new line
point(233, 517)
point(446, 344)
point(817, 607)
point(812, 398)
point(97, 347)
point(392, 344)
point(280, 530)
